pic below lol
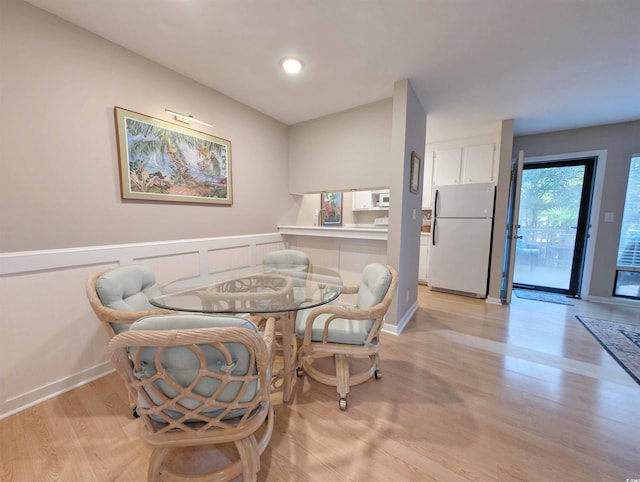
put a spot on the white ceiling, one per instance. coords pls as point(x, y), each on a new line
point(548, 64)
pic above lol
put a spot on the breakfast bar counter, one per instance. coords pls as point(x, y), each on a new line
point(348, 232)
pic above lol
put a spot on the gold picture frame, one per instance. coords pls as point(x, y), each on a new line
point(161, 161)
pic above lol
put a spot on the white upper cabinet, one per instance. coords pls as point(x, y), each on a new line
point(464, 165)
point(362, 200)
point(446, 166)
point(371, 200)
point(477, 163)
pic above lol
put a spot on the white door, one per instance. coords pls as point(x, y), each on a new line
point(512, 226)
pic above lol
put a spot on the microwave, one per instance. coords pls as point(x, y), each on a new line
point(383, 200)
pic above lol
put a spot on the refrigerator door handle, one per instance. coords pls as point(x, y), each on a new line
point(435, 204)
point(433, 232)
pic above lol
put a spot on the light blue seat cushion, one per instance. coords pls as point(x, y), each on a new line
point(182, 365)
point(293, 262)
point(127, 288)
point(374, 285)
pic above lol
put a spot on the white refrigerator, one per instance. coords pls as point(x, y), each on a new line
point(461, 227)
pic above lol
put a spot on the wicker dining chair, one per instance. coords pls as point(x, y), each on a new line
point(200, 381)
point(120, 296)
point(288, 262)
point(342, 331)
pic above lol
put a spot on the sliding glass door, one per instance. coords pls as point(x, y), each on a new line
point(628, 270)
point(553, 224)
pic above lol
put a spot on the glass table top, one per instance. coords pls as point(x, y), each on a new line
point(251, 290)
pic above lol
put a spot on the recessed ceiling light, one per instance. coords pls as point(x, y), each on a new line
point(291, 65)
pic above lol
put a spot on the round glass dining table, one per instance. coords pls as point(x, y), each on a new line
point(278, 293)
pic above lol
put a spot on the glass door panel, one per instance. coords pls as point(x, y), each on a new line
point(554, 202)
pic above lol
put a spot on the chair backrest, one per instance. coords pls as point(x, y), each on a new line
point(121, 295)
point(285, 258)
point(127, 288)
point(287, 261)
point(193, 373)
point(293, 263)
point(374, 285)
point(377, 287)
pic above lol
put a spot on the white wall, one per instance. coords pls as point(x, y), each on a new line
point(60, 180)
point(442, 129)
point(347, 150)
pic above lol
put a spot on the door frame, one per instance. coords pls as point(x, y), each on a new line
point(594, 212)
point(513, 213)
point(582, 222)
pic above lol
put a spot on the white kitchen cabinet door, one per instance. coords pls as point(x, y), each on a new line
point(477, 163)
point(361, 200)
point(446, 166)
point(423, 261)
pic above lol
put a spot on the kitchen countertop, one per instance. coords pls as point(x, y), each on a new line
point(349, 231)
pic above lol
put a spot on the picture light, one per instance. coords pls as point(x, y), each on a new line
point(187, 119)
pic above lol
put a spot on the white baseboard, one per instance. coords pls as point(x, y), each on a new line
point(494, 301)
point(611, 300)
point(41, 394)
point(397, 329)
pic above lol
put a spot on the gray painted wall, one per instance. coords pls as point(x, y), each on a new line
point(60, 181)
point(621, 141)
point(405, 217)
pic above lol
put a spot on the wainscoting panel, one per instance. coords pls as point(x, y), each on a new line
point(50, 339)
point(224, 258)
point(169, 267)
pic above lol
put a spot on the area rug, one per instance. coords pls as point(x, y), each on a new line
point(621, 340)
point(543, 296)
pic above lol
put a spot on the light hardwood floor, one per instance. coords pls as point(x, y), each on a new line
point(470, 391)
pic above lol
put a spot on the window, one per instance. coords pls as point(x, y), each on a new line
point(628, 270)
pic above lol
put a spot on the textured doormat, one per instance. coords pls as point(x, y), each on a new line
point(621, 340)
point(543, 296)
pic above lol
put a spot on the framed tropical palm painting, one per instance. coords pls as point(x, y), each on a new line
point(161, 161)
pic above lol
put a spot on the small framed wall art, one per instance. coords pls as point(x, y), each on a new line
point(331, 208)
point(414, 181)
point(160, 161)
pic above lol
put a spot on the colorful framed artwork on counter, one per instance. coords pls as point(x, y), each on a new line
point(331, 208)
point(161, 161)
